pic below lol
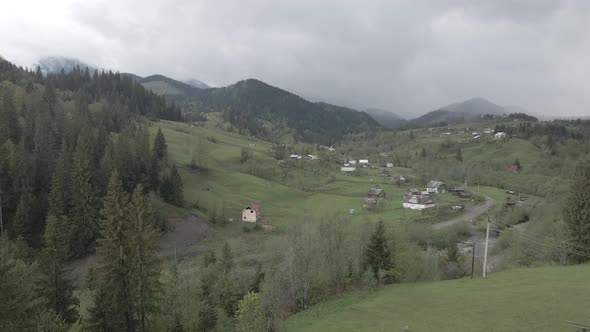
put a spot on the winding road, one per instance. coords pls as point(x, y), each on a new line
point(469, 214)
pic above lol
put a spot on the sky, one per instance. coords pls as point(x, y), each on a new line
point(408, 57)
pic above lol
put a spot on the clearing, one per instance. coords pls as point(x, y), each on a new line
point(534, 299)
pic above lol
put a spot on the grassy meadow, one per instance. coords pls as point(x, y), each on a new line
point(537, 299)
point(225, 187)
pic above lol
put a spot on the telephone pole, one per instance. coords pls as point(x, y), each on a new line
point(1, 222)
point(485, 255)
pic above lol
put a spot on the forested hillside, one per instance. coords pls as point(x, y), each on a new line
point(256, 108)
point(76, 170)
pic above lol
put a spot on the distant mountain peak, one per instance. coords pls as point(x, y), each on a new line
point(196, 83)
point(55, 64)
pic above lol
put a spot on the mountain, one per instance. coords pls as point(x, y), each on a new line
point(470, 110)
point(166, 86)
point(269, 112)
point(477, 106)
point(55, 64)
point(386, 118)
point(196, 83)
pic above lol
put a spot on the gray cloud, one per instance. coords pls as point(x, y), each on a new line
point(406, 56)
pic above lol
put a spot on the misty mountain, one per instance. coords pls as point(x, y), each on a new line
point(55, 64)
point(470, 110)
point(386, 118)
point(262, 110)
point(196, 83)
point(166, 86)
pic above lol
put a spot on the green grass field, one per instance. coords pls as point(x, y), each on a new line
point(224, 186)
point(537, 299)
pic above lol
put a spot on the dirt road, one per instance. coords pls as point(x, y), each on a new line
point(469, 214)
point(181, 241)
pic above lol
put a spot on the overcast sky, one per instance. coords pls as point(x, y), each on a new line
point(405, 56)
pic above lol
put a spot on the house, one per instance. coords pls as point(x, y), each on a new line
point(364, 162)
point(373, 198)
point(457, 190)
point(436, 187)
point(415, 200)
point(500, 135)
point(352, 162)
point(399, 179)
point(295, 157)
point(347, 170)
point(251, 213)
point(389, 165)
point(487, 130)
point(331, 149)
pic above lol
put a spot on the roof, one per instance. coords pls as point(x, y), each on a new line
point(347, 169)
point(364, 161)
point(374, 192)
point(435, 184)
point(254, 206)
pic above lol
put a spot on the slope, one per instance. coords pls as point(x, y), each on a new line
point(267, 112)
point(536, 299)
point(470, 110)
point(386, 118)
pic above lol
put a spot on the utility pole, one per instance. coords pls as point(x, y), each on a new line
point(1, 222)
point(472, 258)
point(485, 255)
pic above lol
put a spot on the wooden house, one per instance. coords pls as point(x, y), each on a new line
point(437, 187)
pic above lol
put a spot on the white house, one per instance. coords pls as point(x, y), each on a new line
point(364, 162)
point(347, 170)
point(500, 135)
point(251, 213)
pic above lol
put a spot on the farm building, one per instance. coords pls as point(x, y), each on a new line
point(415, 200)
point(373, 198)
point(251, 213)
point(500, 136)
point(364, 162)
point(347, 170)
point(436, 187)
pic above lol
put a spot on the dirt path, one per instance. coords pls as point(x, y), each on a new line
point(181, 240)
point(467, 215)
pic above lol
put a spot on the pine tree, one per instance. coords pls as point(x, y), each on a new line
point(576, 213)
point(144, 256)
point(459, 155)
point(85, 210)
point(54, 284)
point(208, 312)
point(23, 223)
point(160, 149)
point(18, 301)
point(171, 188)
point(378, 253)
point(227, 259)
point(114, 282)
point(423, 153)
point(250, 314)
point(59, 196)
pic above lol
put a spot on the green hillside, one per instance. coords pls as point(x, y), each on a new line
point(538, 299)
